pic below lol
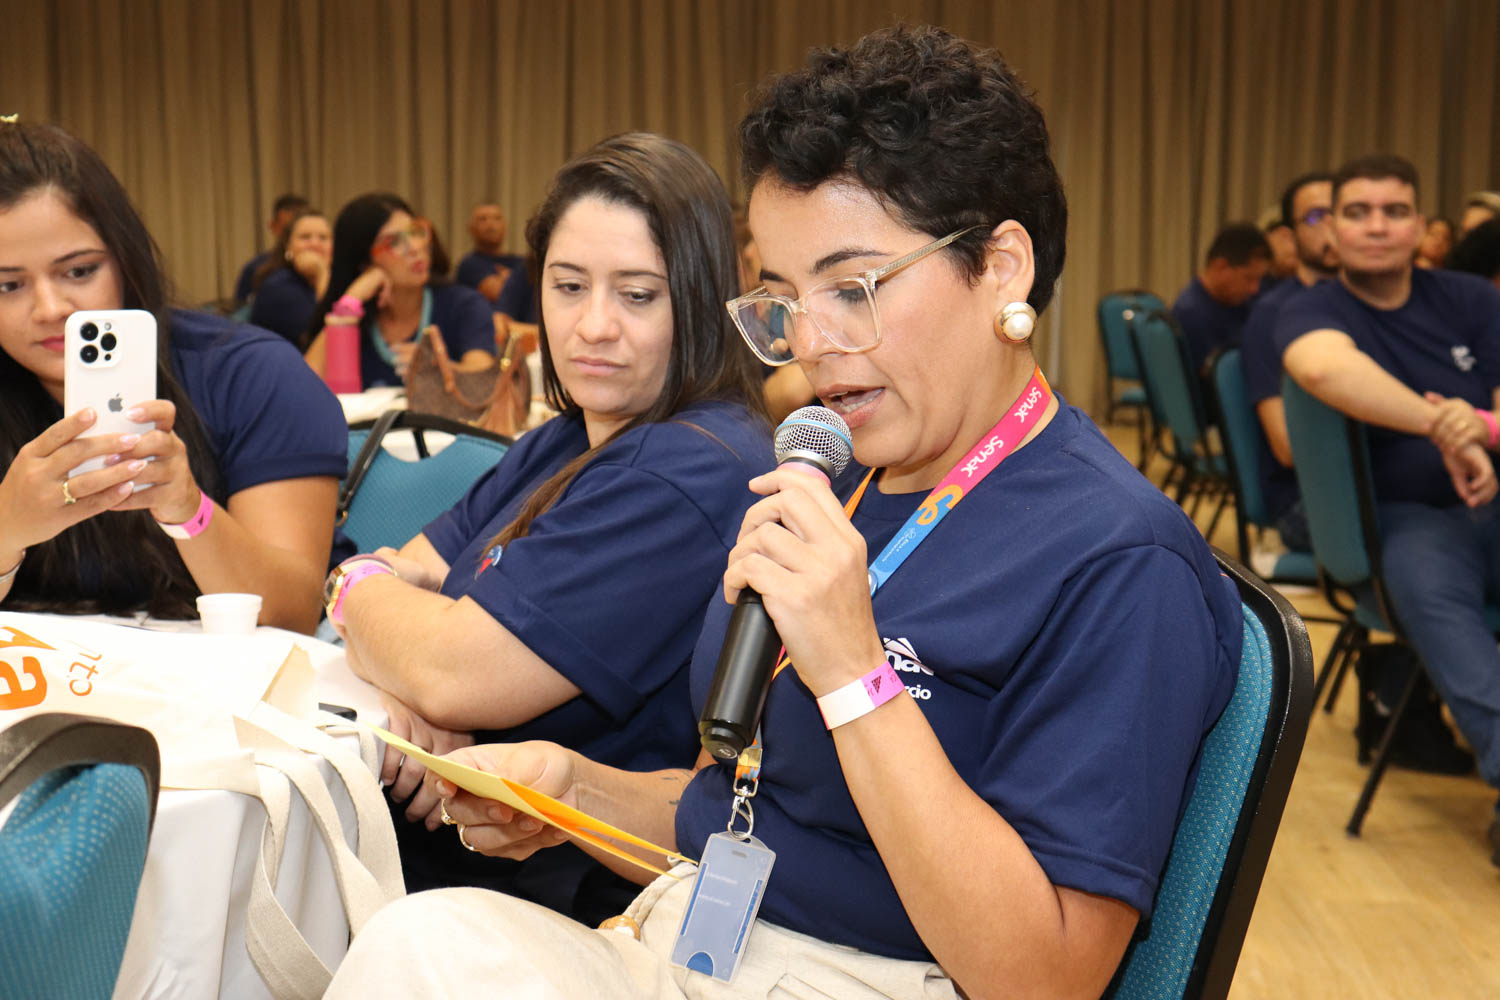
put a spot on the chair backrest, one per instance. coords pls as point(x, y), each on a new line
point(1241, 433)
point(1224, 838)
point(1332, 458)
point(1168, 378)
point(388, 501)
point(1116, 309)
point(72, 851)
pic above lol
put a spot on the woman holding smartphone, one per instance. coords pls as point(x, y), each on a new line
point(385, 280)
point(288, 286)
point(235, 487)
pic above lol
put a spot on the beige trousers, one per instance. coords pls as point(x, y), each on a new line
point(467, 943)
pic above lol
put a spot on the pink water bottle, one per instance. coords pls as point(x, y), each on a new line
point(341, 367)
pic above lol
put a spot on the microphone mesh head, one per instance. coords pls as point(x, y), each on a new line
point(816, 434)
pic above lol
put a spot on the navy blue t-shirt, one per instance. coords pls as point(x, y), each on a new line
point(244, 284)
point(477, 265)
point(1262, 363)
point(268, 416)
point(1070, 639)
point(284, 303)
point(610, 585)
point(461, 314)
point(1206, 322)
point(1445, 339)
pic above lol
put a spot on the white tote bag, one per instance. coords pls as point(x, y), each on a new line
point(229, 712)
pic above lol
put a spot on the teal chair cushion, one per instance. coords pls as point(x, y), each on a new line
point(398, 498)
point(71, 857)
point(1159, 965)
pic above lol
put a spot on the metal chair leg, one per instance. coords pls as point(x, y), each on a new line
point(1382, 756)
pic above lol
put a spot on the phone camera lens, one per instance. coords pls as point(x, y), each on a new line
point(90, 354)
point(107, 342)
point(88, 331)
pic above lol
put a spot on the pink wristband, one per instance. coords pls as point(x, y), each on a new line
point(348, 305)
point(193, 526)
point(366, 566)
point(1489, 421)
point(860, 697)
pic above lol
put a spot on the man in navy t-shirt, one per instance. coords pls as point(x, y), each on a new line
point(1416, 354)
point(1307, 208)
point(1214, 305)
point(486, 267)
point(283, 211)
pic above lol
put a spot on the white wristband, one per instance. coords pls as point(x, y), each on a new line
point(860, 697)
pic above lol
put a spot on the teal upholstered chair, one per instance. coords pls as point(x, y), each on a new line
point(1115, 312)
point(1198, 469)
point(1242, 435)
point(72, 851)
point(388, 501)
point(1224, 838)
point(1333, 470)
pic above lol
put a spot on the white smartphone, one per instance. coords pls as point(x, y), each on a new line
point(110, 365)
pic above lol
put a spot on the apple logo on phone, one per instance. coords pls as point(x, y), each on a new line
point(116, 404)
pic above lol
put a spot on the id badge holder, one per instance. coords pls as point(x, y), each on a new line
point(726, 896)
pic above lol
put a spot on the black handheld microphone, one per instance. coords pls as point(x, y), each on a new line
point(818, 438)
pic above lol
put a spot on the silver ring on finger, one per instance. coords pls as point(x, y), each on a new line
point(467, 846)
point(68, 498)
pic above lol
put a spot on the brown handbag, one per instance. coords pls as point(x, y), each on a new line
point(495, 395)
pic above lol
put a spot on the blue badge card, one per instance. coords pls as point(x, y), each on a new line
point(726, 896)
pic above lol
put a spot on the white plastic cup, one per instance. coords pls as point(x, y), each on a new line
point(229, 614)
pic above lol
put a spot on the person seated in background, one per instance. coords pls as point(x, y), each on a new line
point(1480, 207)
point(561, 597)
point(1415, 354)
point(1306, 204)
point(283, 210)
point(1213, 307)
point(1283, 243)
point(487, 267)
point(1064, 635)
point(386, 280)
point(289, 284)
point(234, 489)
point(1479, 252)
point(1437, 243)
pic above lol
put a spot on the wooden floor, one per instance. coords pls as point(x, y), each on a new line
point(1410, 909)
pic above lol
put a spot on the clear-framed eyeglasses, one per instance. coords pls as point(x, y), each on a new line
point(841, 309)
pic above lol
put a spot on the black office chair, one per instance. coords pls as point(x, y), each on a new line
point(72, 852)
point(1224, 839)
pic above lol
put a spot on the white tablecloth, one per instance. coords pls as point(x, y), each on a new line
point(187, 938)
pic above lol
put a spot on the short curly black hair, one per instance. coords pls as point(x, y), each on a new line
point(941, 130)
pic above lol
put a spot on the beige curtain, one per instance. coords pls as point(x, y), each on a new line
point(1168, 116)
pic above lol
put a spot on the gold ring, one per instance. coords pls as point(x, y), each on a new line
point(467, 846)
point(68, 498)
point(447, 820)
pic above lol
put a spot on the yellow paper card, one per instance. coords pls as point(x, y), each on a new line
point(532, 803)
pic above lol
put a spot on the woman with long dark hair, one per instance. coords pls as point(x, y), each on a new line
point(241, 470)
point(387, 278)
point(560, 599)
point(295, 275)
